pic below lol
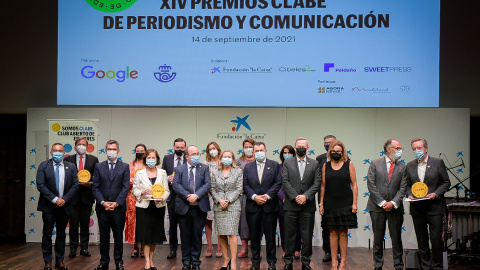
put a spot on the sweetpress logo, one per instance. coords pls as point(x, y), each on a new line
point(110, 6)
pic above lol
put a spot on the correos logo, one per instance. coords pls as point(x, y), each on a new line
point(89, 72)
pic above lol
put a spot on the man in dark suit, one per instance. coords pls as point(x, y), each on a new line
point(322, 159)
point(387, 184)
point(191, 183)
point(301, 180)
point(57, 183)
point(428, 213)
point(169, 163)
point(261, 183)
point(83, 199)
point(111, 182)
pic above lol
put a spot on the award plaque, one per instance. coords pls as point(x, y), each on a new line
point(419, 189)
point(158, 190)
point(84, 176)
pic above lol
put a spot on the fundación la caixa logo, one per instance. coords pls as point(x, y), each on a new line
point(165, 74)
point(240, 122)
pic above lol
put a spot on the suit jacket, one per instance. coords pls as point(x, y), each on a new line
point(294, 186)
point(168, 166)
point(271, 182)
point(383, 190)
point(111, 189)
point(438, 182)
point(47, 186)
point(229, 188)
point(181, 187)
point(84, 194)
point(142, 182)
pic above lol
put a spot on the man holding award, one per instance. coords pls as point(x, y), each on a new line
point(427, 182)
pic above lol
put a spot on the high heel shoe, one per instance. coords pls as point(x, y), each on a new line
point(229, 266)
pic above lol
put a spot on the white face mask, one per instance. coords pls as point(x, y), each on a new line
point(213, 152)
point(248, 152)
point(81, 149)
point(112, 154)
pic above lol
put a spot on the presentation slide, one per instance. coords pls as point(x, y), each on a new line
point(260, 53)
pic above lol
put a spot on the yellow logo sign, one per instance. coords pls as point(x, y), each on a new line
point(419, 189)
point(158, 190)
point(84, 176)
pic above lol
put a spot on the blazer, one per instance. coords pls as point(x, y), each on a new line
point(438, 182)
point(84, 194)
point(229, 188)
point(181, 187)
point(168, 166)
point(383, 190)
point(113, 189)
point(142, 183)
point(271, 182)
point(47, 186)
point(294, 186)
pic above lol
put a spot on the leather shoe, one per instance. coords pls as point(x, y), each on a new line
point(172, 255)
point(255, 266)
point(120, 267)
point(85, 253)
point(48, 266)
point(72, 253)
point(306, 267)
point(102, 267)
point(196, 267)
point(61, 266)
point(327, 257)
point(288, 267)
point(186, 267)
point(272, 266)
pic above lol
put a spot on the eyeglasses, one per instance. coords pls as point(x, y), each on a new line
point(338, 152)
point(398, 148)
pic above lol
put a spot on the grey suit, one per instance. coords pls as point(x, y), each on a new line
point(383, 190)
point(295, 214)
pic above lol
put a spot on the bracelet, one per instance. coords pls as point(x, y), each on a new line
point(320, 204)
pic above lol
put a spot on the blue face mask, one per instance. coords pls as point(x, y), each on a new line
point(151, 162)
point(287, 156)
point(227, 161)
point(398, 154)
point(419, 154)
point(57, 156)
point(260, 156)
point(195, 160)
point(327, 147)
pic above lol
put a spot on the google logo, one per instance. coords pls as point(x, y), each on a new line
point(88, 72)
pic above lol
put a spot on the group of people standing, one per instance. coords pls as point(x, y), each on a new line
point(237, 197)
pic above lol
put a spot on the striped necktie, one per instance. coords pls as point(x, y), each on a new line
point(390, 172)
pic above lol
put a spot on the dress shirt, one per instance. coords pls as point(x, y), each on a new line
point(175, 160)
point(83, 159)
point(61, 180)
point(422, 168)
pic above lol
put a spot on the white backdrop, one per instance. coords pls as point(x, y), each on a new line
point(363, 130)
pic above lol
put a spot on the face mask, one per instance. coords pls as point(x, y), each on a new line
point(213, 152)
point(287, 156)
point(398, 154)
point(81, 149)
point(301, 151)
point(336, 156)
point(226, 161)
point(57, 156)
point(111, 154)
point(139, 155)
point(151, 162)
point(327, 147)
point(179, 153)
point(195, 160)
point(419, 154)
point(260, 156)
point(248, 152)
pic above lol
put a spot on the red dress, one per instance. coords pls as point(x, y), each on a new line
point(131, 200)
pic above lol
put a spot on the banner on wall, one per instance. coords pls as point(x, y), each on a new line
point(66, 131)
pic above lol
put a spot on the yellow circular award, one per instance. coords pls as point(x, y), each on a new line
point(84, 176)
point(158, 190)
point(419, 189)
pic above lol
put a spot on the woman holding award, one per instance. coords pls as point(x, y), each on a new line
point(151, 190)
point(227, 185)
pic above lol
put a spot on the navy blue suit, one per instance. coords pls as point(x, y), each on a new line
point(111, 189)
point(51, 215)
point(191, 218)
point(262, 218)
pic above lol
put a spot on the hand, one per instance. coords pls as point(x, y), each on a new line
point(107, 206)
point(147, 192)
point(260, 199)
point(388, 206)
point(170, 179)
point(411, 197)
point(224, 204)
point(431, 196)
point(191, 198)
point(321, 210)
point(301, 199)
point(60, 202)
point(354, 208)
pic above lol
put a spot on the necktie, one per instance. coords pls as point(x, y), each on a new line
point(390, 172)
point(260, 171)
point(111, 169)
point(302, 168)
point(178, 162)
point(80, 163)
point(57, 177)
point(191, 182)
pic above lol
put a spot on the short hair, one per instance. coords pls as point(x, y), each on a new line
point(290, 150)
point(259, 144)
point(57, 143)
point(112, 142)
point(300, 139)
point(329, 137)
point(249, 140)
point(186, 149)
point(208, 157)
point(425, 144)
point(79, 139)
point(142, 145)
point(344, 151)
point(387, 144)
point(220, 165)
point(148, 152)
point(179, 140)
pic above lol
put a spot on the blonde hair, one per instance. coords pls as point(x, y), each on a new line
point(220, 165)
point(344, 151)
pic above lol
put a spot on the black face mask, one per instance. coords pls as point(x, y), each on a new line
point(139, 155)
point(179, 153)
point(301, 151)
point(336, 156)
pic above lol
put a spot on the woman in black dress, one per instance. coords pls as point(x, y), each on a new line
point(338, 200)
